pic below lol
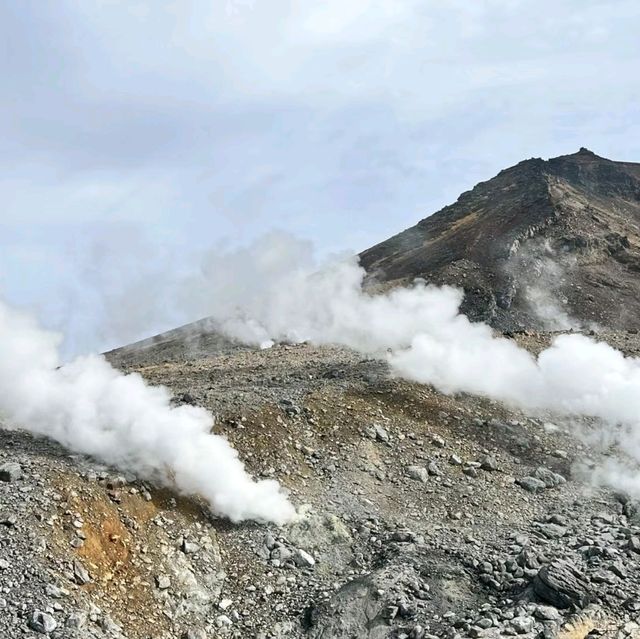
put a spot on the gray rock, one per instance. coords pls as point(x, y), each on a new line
point(42, 622)
point(489, 462)
point(76, 621)
point(634, 544)
point(418, 473)
point(195, 634)
point(563, 585)
point(80, 573)
point(523, 625)
point(10, 471)
point(531, 484)
point(163, 582)
point(189, 547)
point(378, 432)
point(550, 479)
point(303, 559)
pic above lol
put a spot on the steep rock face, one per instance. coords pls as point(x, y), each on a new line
point(544, 244)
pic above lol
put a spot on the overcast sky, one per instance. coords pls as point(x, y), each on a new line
point(138, 133)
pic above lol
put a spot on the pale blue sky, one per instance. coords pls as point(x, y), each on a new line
point(133, 133)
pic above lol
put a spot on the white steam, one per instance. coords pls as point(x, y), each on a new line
point(274, 291)
point(425, 339)
point(92, 408)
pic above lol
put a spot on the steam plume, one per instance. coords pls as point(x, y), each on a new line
point(92, 408)
point(273, 291)
point(425, 338)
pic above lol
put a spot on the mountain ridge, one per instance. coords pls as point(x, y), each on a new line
point(569, 224)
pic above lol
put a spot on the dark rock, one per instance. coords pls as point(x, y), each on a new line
point(531, 484)
point(80, 573)
point(563, 585)
point(42, 622)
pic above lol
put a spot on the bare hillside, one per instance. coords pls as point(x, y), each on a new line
point(540, 240)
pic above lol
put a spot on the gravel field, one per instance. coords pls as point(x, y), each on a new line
point(421, 515)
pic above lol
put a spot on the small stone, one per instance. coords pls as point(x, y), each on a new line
point(195, 634)
point(550, 479)
point(437, 441)
point(418, 473)
point(80, 573)
point(489, 462)
point(433, 469)
point(454, 460)
point(634, 544)
point(379, 433)
point(42, 622)
point(76, 621)
point(10, 471)
point(163, 582)
point(531, 484)
point(523, 625)
point(189, 547)
point(303, 558)
point(224, 604)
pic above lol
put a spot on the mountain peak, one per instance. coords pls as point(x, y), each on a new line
point(566, 230)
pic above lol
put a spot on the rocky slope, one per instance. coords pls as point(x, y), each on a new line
point(423, 516)
point(537, 245)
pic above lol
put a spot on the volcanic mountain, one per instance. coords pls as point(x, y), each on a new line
point(421, 515)
point(549, 244)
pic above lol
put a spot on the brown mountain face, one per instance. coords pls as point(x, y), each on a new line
point(544, 244)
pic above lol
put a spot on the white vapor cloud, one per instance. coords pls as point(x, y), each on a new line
point(92, 408)
point(275, 290)
point(421, 333)
point(341, 120)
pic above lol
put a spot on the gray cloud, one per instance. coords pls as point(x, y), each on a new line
point(343, 120)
